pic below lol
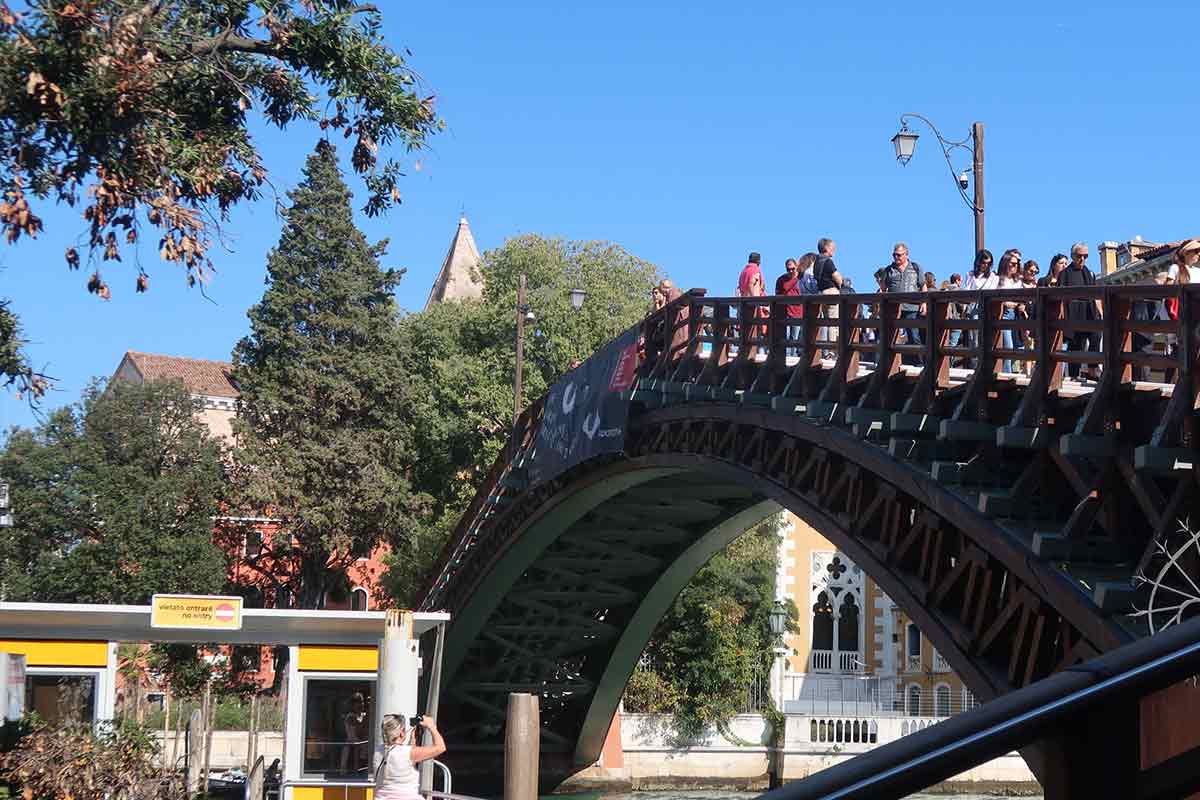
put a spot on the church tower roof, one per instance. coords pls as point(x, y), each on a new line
point(460, 278)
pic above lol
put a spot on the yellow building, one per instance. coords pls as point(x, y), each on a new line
point(210, 382)
point(854, 650)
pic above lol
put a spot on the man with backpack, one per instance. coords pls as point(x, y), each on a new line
point(1077, 275)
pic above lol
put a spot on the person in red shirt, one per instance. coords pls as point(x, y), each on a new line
point(788, 285)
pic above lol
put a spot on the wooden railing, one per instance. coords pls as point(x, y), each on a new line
point(739, 347)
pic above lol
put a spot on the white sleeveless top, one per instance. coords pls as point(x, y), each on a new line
point(396, 777)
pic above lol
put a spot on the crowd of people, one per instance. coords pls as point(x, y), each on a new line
point(817, 273)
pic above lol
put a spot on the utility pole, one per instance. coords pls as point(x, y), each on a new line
point(977, 165)
point(521, 309)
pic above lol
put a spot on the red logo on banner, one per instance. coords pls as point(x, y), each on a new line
point(626, 372)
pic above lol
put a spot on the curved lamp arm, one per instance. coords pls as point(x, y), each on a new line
point(948, 146)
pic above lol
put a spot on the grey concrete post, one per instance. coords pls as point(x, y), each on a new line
point(522, 739)
point(396, 684)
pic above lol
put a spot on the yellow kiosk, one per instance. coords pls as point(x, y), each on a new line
point(335, 692)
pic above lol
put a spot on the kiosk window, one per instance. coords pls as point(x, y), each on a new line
point(61, 698)
point(338, 726)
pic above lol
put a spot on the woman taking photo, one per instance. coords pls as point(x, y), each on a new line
point(396, 758)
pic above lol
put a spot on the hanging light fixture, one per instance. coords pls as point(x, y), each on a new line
point(905, 142)
point(777, 619)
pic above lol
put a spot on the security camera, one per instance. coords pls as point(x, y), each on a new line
point(964, 179)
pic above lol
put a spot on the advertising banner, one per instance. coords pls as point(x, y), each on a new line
point(585, 414)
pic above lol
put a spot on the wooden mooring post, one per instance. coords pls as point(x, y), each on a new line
point(522, 739)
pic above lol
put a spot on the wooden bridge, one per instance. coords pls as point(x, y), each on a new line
point(1026, 521)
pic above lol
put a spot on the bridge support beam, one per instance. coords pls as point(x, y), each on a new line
point(1094, 756)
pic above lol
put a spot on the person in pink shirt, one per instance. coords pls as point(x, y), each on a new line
point(750, 284)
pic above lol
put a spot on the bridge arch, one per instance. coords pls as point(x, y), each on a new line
point(537, 617)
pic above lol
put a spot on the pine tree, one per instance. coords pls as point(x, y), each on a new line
point(321, 427)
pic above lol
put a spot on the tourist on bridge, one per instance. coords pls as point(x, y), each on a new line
point(1078, 275)
point(1029, 280)
point(1182, 270)
point(981, 279)
point(396, 758)
point(753, 267)
point(829, 281)
point(750, 284)
point(788, 285)
point(1010, 278)
point(808, 278)
point(677, 319)
point(904, 276)
point(1185, 258)
point(1057, 265)
point(953, 310)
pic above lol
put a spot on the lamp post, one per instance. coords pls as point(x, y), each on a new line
point(777, 620)
point(524, 313)
point(905, 142)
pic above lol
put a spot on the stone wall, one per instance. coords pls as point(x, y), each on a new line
point(229, 748)
point(744, 758)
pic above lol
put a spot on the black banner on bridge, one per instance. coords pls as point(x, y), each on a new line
point(585, 413)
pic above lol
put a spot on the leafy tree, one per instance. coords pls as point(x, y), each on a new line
point(715, 641)
point(461, 358)
point(114, 499)
point(325, 443)
point(141, 110)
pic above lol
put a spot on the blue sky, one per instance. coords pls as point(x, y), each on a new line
point(693, 133)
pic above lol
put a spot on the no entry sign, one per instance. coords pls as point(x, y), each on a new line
point(196, 611)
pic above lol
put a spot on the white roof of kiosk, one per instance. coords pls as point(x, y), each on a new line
point(113, 623)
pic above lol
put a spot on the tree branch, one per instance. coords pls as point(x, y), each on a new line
point(227, 42)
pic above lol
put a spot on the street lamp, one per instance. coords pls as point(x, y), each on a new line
point(525, 315)
point(777, 620)
point(524, 312)
point(905, 142)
